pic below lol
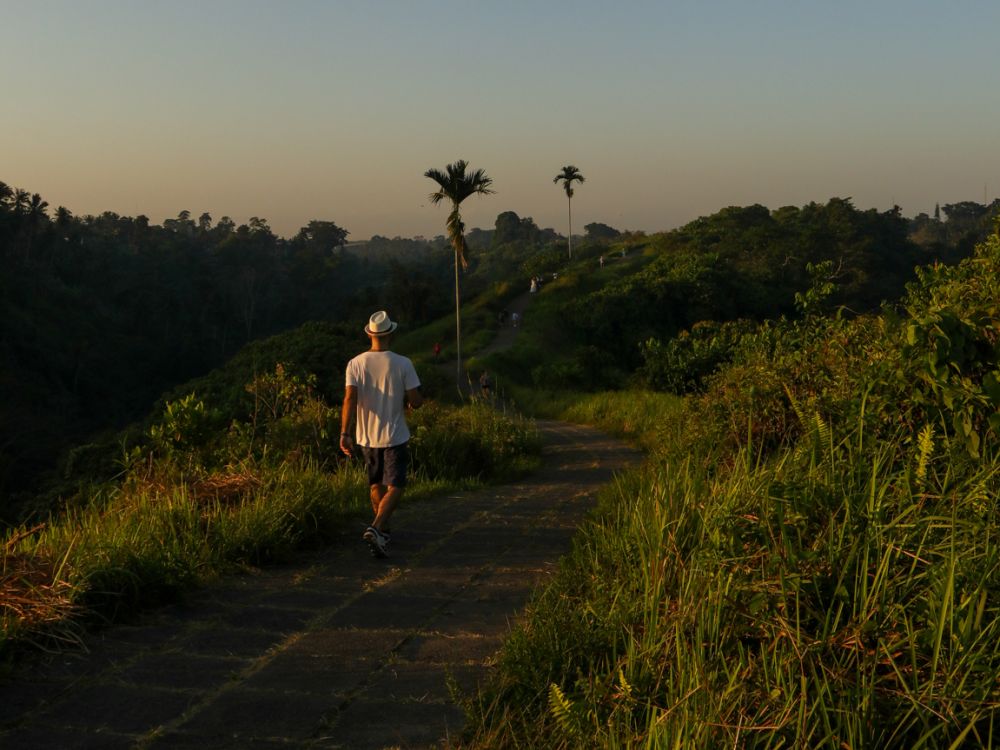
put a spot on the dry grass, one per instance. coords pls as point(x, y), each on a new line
point(35, 591)
point(225, 488)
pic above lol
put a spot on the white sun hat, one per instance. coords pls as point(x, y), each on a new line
point(379, 324)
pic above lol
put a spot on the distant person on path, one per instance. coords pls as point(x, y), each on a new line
point(380, 386)
point(514, 318)
point(503, 317)
point(534, 285)
point(484, 384)
point(602, 261)
point(437, 350)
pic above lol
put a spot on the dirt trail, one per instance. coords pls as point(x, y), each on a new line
point(503, 340)
point(336, 651)
point(505, 337)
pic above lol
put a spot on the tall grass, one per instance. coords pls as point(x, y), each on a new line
point(136, 546)
point(161, 531)
point(826, 597)
point(643, 416)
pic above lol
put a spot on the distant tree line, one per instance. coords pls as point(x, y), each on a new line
point(965, 225)
point(748, 263)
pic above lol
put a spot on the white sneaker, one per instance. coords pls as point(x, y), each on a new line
point(377, 541)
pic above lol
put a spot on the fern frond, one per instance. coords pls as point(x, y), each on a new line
point(562, 711)
point(824, 438)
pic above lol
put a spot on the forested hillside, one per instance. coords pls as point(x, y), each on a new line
point(99, 315)
point(694, 286)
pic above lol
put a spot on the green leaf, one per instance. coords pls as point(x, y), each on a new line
point(973, 444)
point(991, 387)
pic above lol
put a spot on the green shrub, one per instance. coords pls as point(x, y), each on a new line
point(682, 364)
point(474, 440)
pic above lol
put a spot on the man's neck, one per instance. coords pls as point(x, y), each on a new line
point(379, 346)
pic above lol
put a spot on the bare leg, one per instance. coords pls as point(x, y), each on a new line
point(386, 506)
point(376, 492)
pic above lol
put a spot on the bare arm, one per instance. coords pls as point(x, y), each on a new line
point(347, 414)
point(414, 399)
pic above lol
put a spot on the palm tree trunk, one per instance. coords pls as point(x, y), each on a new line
point(569, 203)
point(458, 333)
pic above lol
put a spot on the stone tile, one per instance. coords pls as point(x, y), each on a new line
point(183, 741)
point(318, 675)
point(183, 671)
point(242, 713)
point(263, 617)
point(230, 642)
point(469, 617)
point(121, 709)
point(51, 738)
point(433, 580)
point(98, 655)
point(348, 644)
point(499, 585)
point(382, 609)
point(414, 724)
point(435, 648)
point(412, 681)
point(317, 595)
point(153, 632)
point(19, 698)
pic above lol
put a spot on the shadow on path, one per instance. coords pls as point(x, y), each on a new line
point(336, 651)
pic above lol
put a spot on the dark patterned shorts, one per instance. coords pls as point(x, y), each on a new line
point(387, 466)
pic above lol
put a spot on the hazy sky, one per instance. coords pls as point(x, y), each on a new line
point(300, 110)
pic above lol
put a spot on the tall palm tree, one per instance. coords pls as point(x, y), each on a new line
point(456, 186)
point(36, 210)
point(569, 175)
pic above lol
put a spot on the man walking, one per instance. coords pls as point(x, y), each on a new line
point(380, 385)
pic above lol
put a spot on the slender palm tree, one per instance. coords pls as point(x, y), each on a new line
point(36, 211)
point(456, 186)
point(568, 175)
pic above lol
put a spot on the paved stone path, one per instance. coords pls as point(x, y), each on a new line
point(336, 651)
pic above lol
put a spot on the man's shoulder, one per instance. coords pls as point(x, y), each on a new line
point(380, 359)
point(357, 360)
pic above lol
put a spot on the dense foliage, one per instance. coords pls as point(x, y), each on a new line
point(809, 558)
point(749, 263)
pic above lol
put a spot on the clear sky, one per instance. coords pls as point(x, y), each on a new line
point(302, 109)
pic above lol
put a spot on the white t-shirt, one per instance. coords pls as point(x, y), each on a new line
point(382, 380)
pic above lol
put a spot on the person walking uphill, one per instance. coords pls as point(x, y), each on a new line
point(380, 386)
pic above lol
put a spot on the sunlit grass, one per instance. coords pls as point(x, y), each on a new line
point(824, 597)
point(156, 534)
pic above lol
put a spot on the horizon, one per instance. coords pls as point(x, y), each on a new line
point(334, 111)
